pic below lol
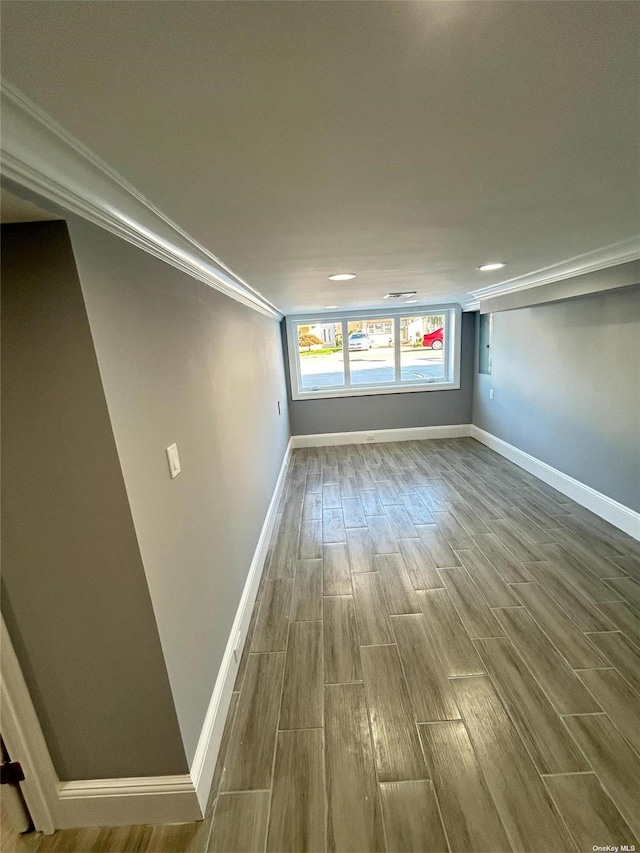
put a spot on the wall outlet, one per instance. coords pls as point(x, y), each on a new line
point(491, 393)
point(237, 647)
point(370, 436)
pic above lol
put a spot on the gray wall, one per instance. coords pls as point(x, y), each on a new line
point(183, 363)
point(388, 411)
point(75, 596)
point(566, 380)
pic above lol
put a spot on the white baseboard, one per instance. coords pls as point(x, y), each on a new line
point(94, 802)
point(615, 513)
point(206, 755)
point(176, 799)
point(149, 799)
point(117, 802)
point(24, 740)
point(376, 435)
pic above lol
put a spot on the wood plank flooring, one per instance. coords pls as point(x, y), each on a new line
point(444, 656)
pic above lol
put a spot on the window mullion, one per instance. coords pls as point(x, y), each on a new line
point(397, 348)
point(295, 350)
point(345, 353)
point(448, 351)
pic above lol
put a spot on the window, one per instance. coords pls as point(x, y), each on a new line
point(379, 328)
point(320, 356)
point(422, 348)
point(374, 352)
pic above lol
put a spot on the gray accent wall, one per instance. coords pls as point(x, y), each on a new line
point(181, 362)
point(566, 380)
point(74, 592)
point(388, 411)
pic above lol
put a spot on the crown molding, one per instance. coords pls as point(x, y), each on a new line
point(598, 259)
point(39, 154)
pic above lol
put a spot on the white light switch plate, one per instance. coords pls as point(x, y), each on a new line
point(174, 460)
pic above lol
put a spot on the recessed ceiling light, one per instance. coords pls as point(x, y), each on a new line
point(342, 276)
point(330, 306)
point(496, 265)
point(410, 301)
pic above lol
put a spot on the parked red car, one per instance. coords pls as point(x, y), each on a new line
point(434, 339)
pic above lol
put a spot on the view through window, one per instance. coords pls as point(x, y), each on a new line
point(320, 353)
point(372, 357)
point(422, 348)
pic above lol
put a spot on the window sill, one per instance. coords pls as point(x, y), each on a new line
point(371, 390)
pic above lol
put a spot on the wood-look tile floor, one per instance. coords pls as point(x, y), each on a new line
point(444, 656)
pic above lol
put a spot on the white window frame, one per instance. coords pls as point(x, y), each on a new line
point(451, 351)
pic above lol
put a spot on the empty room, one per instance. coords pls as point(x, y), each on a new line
point(320, 426)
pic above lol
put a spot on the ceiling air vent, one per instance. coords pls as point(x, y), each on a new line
point(401, 294)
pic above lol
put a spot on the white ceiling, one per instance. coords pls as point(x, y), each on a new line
point(405, 141)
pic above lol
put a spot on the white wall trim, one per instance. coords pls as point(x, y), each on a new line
point(204, 761)
point(598, 259)
point(92, 802)
point(616, 513)
point(372, 436)
point(150, 799)
point(23, 736)
point(39, 154)
point(117, 802)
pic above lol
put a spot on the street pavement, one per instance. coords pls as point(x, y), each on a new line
point(370, 367)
